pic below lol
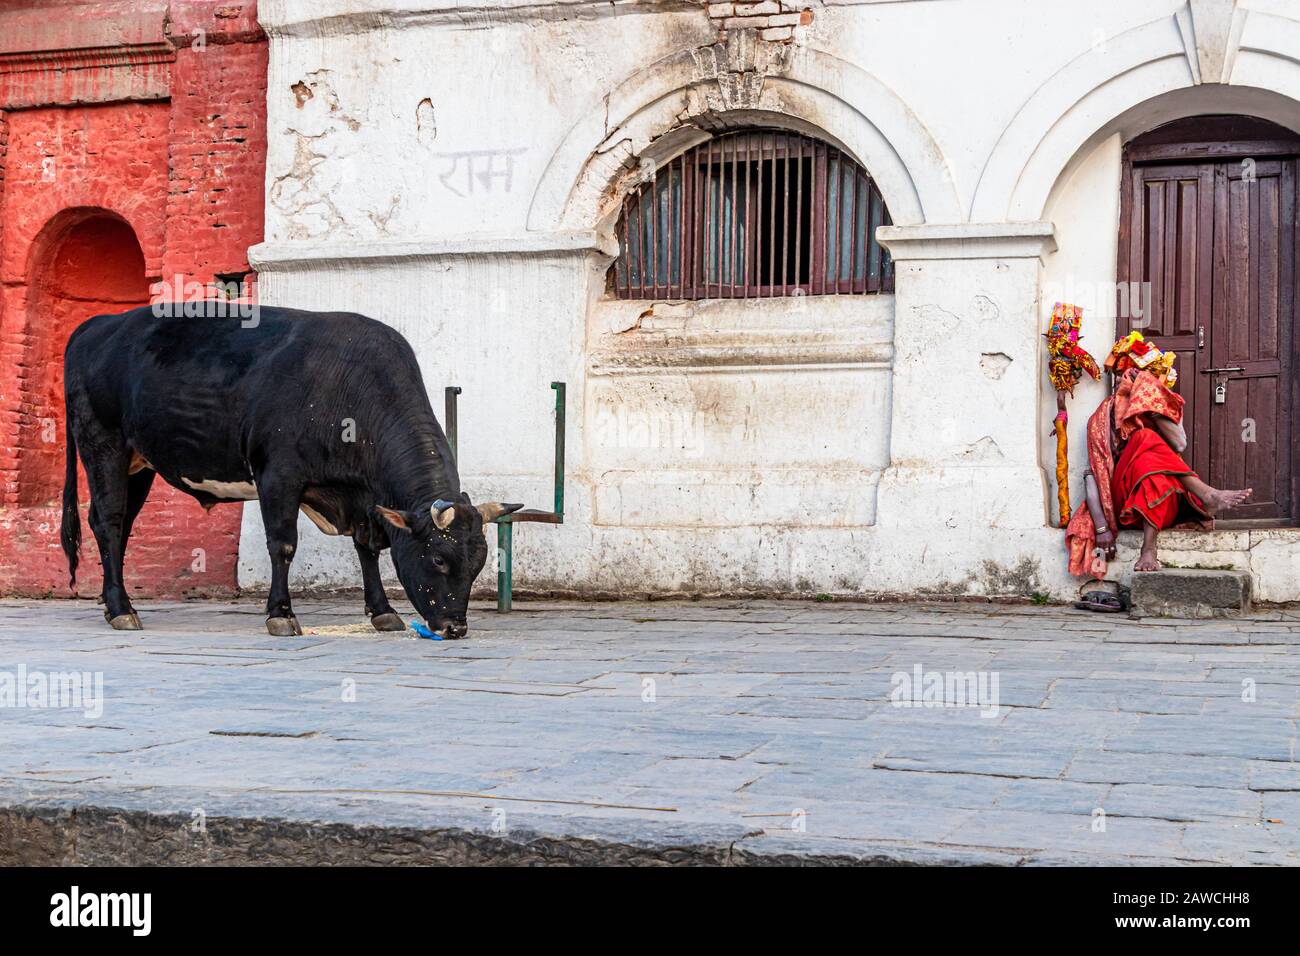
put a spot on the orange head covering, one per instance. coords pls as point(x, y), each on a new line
point(1133, 351)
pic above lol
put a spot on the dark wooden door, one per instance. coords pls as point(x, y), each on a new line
point(1170, 277)
point(1251, 333)
point(1213, 233)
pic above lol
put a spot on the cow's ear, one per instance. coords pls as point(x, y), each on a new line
point(397, 519)
point(495, 509)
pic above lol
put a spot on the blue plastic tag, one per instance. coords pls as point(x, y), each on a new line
point(423, 631)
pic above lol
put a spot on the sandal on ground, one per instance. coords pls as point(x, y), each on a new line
point(1099, 599)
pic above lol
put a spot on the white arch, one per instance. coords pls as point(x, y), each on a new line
point(814, 91)
point(1136, 80)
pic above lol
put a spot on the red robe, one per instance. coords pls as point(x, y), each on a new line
point(1144, 484)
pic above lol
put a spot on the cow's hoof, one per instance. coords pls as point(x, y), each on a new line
point(388, 622)
point(283, 627)
point(125, 622)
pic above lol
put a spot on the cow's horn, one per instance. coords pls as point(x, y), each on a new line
point(444, 513)
point(495, 509)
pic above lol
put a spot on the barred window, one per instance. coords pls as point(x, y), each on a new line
point(753, 214)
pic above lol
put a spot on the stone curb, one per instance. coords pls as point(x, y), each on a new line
point(45, 834)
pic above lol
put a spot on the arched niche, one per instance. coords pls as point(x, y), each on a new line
point(85, 261)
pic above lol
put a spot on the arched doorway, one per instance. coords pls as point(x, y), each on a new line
point(84, 261)
point(1207, 231)
point(87, 262)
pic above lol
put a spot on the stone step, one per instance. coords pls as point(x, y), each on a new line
point(1190, 593)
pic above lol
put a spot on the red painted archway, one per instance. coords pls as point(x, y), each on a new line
point(87, 261)
point(141, 159)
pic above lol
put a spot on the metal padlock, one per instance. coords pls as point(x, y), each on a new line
point(1220, 393)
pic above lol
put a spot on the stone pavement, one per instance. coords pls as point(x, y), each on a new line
point(712, 731)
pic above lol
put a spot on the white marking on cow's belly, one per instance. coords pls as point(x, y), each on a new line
point(319, 520)
point(226, 490)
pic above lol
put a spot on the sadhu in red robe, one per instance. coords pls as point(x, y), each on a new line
point(1139, 480)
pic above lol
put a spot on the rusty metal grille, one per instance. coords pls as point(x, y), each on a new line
point(753, 214)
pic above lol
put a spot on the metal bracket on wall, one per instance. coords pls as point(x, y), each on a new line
point(505, 524)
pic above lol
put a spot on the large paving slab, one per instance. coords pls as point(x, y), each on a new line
point(706, 732)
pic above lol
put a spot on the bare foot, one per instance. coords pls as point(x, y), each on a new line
point(1216, 500)
point(1147, 561)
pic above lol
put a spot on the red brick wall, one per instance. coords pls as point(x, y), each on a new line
point(217, 151)
point(161, 144)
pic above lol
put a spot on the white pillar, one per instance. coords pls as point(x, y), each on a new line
point(964, 485)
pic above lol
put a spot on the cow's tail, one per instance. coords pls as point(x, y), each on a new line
point(70, 533)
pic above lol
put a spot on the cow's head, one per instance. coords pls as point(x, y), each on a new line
point(438, 551)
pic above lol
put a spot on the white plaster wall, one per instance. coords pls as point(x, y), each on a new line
point(504, 88)
point(436, 129)
point(714, 414)
point(502, 327)
point(453, 171)
point(1085, 209)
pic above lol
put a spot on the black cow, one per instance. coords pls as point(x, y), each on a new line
point(320, 411)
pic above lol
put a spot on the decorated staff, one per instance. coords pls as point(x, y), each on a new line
point(1066, 365)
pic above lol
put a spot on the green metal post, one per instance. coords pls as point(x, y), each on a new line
point(505, 564)
point(451, 427)
point(506, 523)
point(559, 449)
